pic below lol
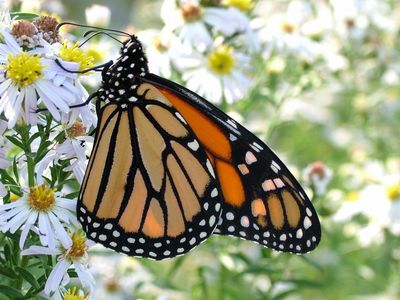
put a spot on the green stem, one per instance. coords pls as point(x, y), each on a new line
point(31, 171)
point(24, 263)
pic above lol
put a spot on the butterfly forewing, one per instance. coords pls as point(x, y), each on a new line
point(149, 189)
point(262, 201)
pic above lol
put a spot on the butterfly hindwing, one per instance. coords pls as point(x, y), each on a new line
point(262, 201)
point(149, 188)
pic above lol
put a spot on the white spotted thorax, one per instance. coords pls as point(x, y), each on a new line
point(119, 80)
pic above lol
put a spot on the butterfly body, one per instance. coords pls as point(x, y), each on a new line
point(168, 169)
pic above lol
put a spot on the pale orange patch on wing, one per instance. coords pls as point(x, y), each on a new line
point(167, 121)
point(230, 183)
point(291, 208)
point(243, 169)
point(268, 185)
point(154, 223)
point(276, 211)
point(198, 176)
point(151, 145)
point(117, 180)
point(188, 198)
point(91, 189)
point(176, 224)
point(133, 213)
point(106, 112)
point(258, 207)
point(152, 93)
point(206, 131)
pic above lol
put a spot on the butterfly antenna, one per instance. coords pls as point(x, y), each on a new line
point(95, 68)
point(91, 27)
point(95, 33)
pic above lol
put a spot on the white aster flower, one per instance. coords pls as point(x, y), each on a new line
point(74, 256)
point(41, 207)
point(73, 54)
point(282, 34)
point(98, 15)
point(378, 202)
point(29, 78)
point(217, 76)
point(159, 45)
point(319, 176)
point(76, 147)
point(189, 21)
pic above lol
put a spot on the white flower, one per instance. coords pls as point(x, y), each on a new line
point(5, 18)
point(378, 202)
point(319, 176)
point(217, 76)
point(74, 256)
point(282, 34)
point(76, 147)
point(189, 21)
point(28, 78)
point(159, 46)
point(98, 15)
point(41, 207)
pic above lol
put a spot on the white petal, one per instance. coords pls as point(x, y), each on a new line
point(54, 280)
point(65, 239)
point(24, 235)
point(14, 204)
point(11, 213)
point(16, 222)
point(69, 204)
point(85, 276)
point(39, 250)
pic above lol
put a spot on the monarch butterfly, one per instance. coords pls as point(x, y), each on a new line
point(168, 169)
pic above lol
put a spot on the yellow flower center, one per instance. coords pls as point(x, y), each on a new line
point(23, 69)
point(191, 12)
point(97, 54)
point(393, 191)
point(288, 27)
point(353, 196)
point(159, 45)
point(41, 198)
point(73, 295)
point(78, 248)
point(243, 5)
point(77, 129)
point(75, 54)
point(221, 60)
point(14, 197)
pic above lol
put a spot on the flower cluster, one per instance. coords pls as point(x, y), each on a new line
point(203, 43)
point(43, 152)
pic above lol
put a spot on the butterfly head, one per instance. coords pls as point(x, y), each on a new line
point(131, 63)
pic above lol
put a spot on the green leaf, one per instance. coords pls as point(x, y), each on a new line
point(7, 252)
point(16, 141)
point(10, 291)
point(72, 273)
point(23, 16)
point(33, 137)
point(28, 277)
point(7, 272)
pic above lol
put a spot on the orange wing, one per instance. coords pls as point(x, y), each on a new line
point(149, 189)
point(263, 202)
